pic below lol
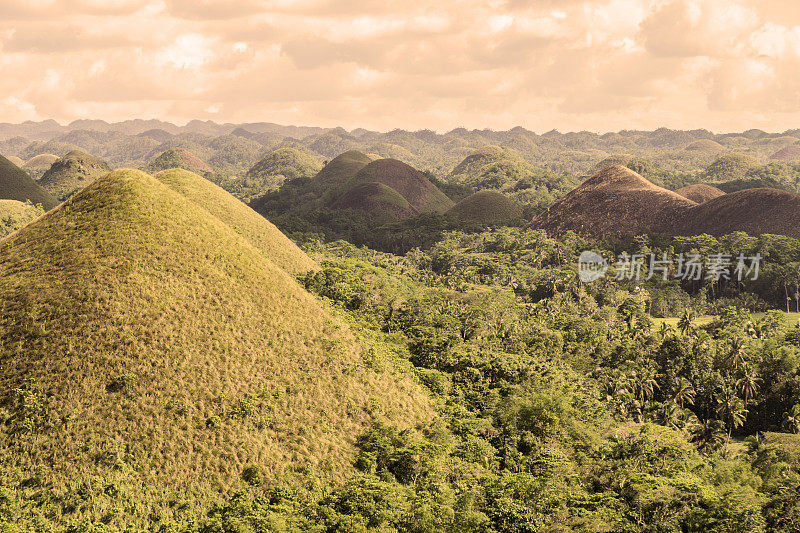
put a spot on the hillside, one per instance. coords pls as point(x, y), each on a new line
point(178, 158)
point(37, 165)
point(486, 206)
point(699, 192)
point(72, 172)
point(614, 201)
point(281, 164)
point(160, 360)
point(755, 211)
point(789, 154)
point(491, 167)
point(418, 190)
point(259, 231)
point(730, 167)
point(378, 200)
point(15, 214)
point(15, 184)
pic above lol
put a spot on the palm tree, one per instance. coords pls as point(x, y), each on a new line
point(791, 420)
point(685, 323)
point(707, 435)
point(737, 354)
point(748, 383)
point(731, 409)
point(684, 392)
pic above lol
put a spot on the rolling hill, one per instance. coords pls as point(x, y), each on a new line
point(259, 231)
point(616, 200)
point(382, 202)
point(15, 214)
point(418, 190)
point(155, 358)
point(788, 154)
point(699, 192)
point(72, 172)
point(486, 206)
point(283, 163)
point(491, 167)
point(178, 158)
point(37, 165)
point(16, 160)
point(15, 184)
point(705, 146)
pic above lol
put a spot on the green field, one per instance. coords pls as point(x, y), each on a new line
point(793, 319)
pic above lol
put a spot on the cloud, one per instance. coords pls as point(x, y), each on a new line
point(582, 64)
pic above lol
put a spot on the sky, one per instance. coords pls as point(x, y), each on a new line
point(598, 65)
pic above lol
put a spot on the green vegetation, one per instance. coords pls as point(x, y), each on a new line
point(179, 158)
point(15, 184)
point(486, 206)
point(73, 172)
point(275, 167)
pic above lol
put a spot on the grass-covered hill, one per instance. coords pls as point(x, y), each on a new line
point(790, 154)
point(15, 214)
point(72, 172)
point(754, 211)
point(37, 165)
point(699, 192)
point(259, 231)
point(616, 200)
point(178, 158)
point(491, 167)
point(418, 190)
point(154, 362)
point(279, 165)
point(379, 201)
point(731, 166)
point(486, 206)
point(705, 146)
point(15, 184)
point(16, 160)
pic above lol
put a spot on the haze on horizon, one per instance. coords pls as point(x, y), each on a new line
point(600, 65)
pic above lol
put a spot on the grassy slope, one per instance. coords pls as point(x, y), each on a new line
point(288, 162)
point(15, 184)
point(255, 228)
point(161, 353)
point(418, 190)
point(486, 206)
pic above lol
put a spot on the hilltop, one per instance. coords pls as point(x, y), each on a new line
point(178, 158)
point(37, 165)
point(378, 200)
point(15, 184)
point(491, 167)
point(616, 200)
point(159, 359)
point(16, 160)
point(486, 206)
point(418, 190)
point(699, 192)
point(259, 231)
point(705, 146)
point(74, 171)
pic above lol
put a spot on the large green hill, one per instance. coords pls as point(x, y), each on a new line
point(153, 360)
point(74, 171)
point(15, 184)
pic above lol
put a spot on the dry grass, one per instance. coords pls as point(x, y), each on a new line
point(377, 199)
point(789, 153)
point(40, 161)
point(259, 231)
point(157, 353)
point(699, 192)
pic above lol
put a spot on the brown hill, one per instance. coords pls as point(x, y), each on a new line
point(380, 200)
point(40, 161)
point(699, 192)
point(423, 195)
point(755, 211)
point(790, 153)
point(616, 200)
point(179, 158)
